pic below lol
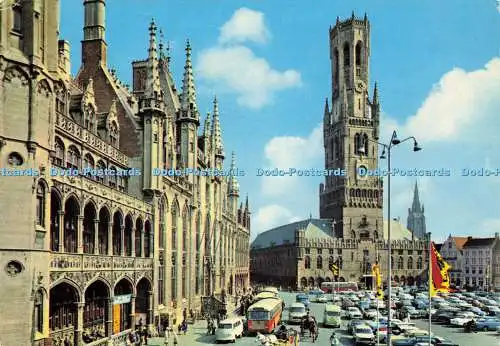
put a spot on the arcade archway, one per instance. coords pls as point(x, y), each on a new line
point(122, 306)
point(143, 302)
point(63, 314)
point(95, 312)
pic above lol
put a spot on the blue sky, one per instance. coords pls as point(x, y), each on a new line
point(437, 65)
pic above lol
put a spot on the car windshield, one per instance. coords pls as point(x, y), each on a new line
point(363, 331)
point(297, 309)
point(225, 326)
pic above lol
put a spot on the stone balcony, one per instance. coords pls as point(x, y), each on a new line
point(64, 262)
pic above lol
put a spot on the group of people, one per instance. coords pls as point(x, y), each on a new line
point(139, 336)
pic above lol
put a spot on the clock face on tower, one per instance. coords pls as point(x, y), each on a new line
point(360, 86)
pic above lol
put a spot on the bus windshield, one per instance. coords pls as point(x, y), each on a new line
point(297, 309)
point(333, 313)
point(258, 315)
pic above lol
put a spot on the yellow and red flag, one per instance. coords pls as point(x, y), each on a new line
point(438, 273)
point(378, 281)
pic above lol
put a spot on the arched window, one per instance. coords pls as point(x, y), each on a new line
point(88, 163)
point(73, 160)
point(357, 141)
point(17, 18)
point(184, 230)
point(336, 68)
point(419, 263)
point(101, 166)
point(174, 228)
point(307, 262)
point(331, 261)
point(319, 262)
point(59, 148)
point(112, 177)
point(400, 263)
point(359, 53)
point(40, 204)
point(410, 263)
point(39, 311)
point(347, 55)
point(365, 144)
point(336, 147)
point(113, 134)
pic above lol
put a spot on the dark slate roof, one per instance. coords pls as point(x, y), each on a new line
point(315, 228)
point(438, 247)
point(472, 242)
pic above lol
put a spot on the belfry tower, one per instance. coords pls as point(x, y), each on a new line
point(351, 129)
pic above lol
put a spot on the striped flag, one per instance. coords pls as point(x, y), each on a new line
point(438, 273)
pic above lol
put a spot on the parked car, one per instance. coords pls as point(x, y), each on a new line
point(486, 324)
point(462, 318)
point(423, 340)
point(353, 324)
point(363, 335)
point(353, 312)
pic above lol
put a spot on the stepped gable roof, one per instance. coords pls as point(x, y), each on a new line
point(285, 234)
point(479, 242)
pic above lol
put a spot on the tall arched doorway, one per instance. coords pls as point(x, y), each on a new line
point(63, 314)
point(95, 312)
point(122, 306)
point(142, 302)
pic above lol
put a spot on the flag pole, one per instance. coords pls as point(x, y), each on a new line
point(430, 287)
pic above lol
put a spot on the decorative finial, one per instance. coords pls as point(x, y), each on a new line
point(160, 45)
point(353, 17)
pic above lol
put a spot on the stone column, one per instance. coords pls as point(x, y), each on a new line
point(133, 242)
point(150, 318)
point(79, 232)
point(132, 311)
point(142, 244)
point(79, 323)
point(96, 236)
point(122, 240)
point(109, 318)
point(60, 215)
point(110, 239)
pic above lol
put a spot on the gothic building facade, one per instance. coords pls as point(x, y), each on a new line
point(92, 239)
point(416, 218)
point(351, 124)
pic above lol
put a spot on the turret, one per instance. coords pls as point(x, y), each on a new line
point(94, 47)
point(326, 114)
point(247, 213)
point(153, 94)
point(217, 145)
point(233, 186)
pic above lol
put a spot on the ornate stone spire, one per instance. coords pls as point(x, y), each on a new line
point(375, 94)
point(416, 200)
point(234, 186)
point(247, 206)
point(217, 132)
point(161, 46)
point(189, 108)
point(153, 87)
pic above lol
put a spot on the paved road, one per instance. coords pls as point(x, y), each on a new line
point(197, 333)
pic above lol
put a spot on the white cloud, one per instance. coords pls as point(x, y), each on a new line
point(233, 68)
point(286, 152)
point(244, 25)
point(270, 216)
point(236, 69)
point(460, 99)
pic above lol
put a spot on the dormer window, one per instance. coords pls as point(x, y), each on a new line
point(17, 18)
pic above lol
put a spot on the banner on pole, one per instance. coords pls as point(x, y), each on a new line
point(439, 280)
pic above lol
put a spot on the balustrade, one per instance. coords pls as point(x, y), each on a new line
point(86, 262)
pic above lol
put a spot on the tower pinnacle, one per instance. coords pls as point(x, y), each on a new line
point(153, 87)
point(189, 107)
point(234, 186)
point(416, 200)
point(217, 144)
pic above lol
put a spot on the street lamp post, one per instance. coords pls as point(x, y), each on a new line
point(386, 150)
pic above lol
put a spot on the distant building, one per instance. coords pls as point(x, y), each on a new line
point(299, 255)
point(495, 282)
point(478, 260)
point(452, 253)
point(416, 218)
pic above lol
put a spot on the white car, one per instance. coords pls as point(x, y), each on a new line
point(296, 312)
point(229, 330)
point(363, 335)
point(353, 312)
point(462, 319)
point(322, 298)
